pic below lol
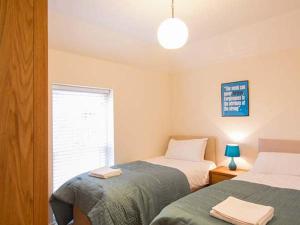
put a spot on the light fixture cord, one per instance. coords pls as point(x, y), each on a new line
point(172, 8)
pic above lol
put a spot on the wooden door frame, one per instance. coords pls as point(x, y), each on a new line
point(24, 112)
point(40, 125)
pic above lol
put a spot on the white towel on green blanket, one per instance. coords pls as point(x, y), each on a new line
point(105, 172)
point(240, 212)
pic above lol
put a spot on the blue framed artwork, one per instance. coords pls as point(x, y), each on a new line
point(235, 98)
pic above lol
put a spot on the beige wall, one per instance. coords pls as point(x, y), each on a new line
point(150, 106)
point(274, 81)
point(141, 101)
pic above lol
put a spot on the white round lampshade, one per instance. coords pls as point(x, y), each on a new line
point(172, 33)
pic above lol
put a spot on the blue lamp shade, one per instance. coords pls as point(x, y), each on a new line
point(232, 150)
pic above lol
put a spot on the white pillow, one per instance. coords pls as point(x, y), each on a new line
point(192, 150)
point(277, 163)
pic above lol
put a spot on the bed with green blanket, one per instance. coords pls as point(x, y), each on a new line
point(194, 209)
point(133, 198)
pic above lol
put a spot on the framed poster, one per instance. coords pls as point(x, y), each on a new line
point(235, 98)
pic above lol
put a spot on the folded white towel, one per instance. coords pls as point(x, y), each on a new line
point(105, 172)
point(240, 212)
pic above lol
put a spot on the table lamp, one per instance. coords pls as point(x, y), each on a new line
point(232, 150)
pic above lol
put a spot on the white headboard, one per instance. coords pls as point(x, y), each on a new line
point(276, 145)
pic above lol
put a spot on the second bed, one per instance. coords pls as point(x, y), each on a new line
point(274, 181)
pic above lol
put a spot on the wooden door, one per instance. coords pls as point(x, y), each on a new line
point(23, 112)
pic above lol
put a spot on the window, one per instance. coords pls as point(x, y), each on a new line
point(82, 131)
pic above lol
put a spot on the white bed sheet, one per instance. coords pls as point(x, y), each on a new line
point(274, 180)
point(197, 173)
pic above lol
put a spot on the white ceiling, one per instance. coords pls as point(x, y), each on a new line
point(125, 30)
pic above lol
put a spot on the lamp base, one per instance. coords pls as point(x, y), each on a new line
point(232, 165)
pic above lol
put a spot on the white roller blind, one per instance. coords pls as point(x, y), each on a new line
point(82, 131)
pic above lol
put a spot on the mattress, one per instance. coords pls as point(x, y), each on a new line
point(197, 173)
point(273, 180)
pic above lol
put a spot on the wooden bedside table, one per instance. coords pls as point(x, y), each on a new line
point(222, 173)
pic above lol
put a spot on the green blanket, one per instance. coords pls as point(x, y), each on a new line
point(194, 208)
point(134, 198)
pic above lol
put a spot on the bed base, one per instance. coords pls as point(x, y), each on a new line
point(79, 217)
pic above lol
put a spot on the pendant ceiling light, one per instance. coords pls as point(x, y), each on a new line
point(172, 33)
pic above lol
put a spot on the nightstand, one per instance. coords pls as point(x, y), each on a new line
point(223, 173)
